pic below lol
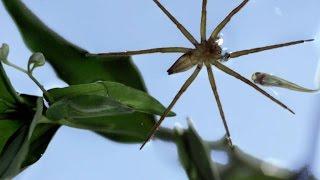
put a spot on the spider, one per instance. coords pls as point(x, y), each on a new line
point(207, 52)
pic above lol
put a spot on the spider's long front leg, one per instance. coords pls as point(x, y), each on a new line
point(223, 23)
point(184, 31)
point(243, 79)
point(173, 102)
point(259, 49)
point(203, 25)
point(145, 51)
point(216, 95)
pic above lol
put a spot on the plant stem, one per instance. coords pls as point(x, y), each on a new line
point(165, 134)
point(45, 92)
point(29, 73)
point(15, 66)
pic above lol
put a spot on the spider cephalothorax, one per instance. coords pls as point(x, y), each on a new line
point(207, 52)
point(204, 53)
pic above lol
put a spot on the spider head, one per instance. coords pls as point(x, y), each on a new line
point(211, 50)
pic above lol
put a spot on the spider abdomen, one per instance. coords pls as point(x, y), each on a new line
point(184, 63)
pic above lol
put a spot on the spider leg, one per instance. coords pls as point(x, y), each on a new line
point(223, 23)
point(145, 51)
point(216, 95)
point(243, 79)
point(173, 102)
point(184, 31)
point(203, 25)
point(259, 49)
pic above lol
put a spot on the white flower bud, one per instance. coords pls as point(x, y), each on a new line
point(37, 59)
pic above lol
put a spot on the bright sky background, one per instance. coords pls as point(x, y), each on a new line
point(257, 125)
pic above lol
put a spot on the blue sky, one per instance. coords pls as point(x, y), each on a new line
point(257, 125)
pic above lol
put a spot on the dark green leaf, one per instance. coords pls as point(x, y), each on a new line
point(86, 106)
point(70, 62)
point(195, 156)
point(136, 99)
point(42, 134)
point(8, 96)
point(119, 128)
point(243, 166)
point(39, 142)
point(7, 129)
point(16, 149)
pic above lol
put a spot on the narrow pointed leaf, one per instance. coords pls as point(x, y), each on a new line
point(7, 129)
point(86, 106)
point(195, 156)
point(17, 148)
point(133, 98)
point(8, 96)
point(41, 137)
point(15, 112)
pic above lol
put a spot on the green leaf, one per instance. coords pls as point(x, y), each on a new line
point(86, 106)
point(16, 149)
point(194, 155)
point(243, 166)
point(118, 128)
point(70, 61)
point(8, 96)
point(19, 109)
point(136, 99)
point(39, 142)
point(7, 129)
point(42, 134)
point(122, 128)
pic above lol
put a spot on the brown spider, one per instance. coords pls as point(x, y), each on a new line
point(208, 52)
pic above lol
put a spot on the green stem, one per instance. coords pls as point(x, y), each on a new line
point(29, 73)
point(45, 92)
point(15, 66)
point(165, 134)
